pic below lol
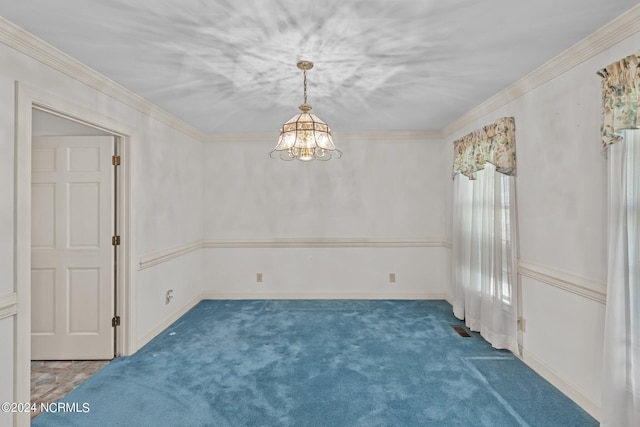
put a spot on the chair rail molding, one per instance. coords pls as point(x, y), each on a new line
point(159, 257)
point(587, 288)
point(8, 305)
point(325, 243)
point(165, 255)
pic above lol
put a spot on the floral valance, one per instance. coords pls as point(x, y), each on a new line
point(494, 143)
point(620, 92)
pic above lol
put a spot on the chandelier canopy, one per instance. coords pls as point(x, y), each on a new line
point(304, 136)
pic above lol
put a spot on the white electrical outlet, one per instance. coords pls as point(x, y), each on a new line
point(168, 296)
point(522, 324)
point(259, 277)
point(392, 277)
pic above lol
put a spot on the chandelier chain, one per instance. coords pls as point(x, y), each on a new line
point(305, 86)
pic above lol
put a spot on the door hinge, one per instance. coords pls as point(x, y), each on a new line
point(115, 321)
point(115, 160)
point(115, 240)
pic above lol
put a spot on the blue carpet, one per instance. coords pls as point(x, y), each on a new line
point(318, 363)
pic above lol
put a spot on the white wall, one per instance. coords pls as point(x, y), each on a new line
point(168, 206)
point(183, 276)
point(169, 191)
point(561, 198)
point(6, 367)
point(169, 215)
point(325, 272)
point(7, 125)
point(294, 220)
point(448, 207)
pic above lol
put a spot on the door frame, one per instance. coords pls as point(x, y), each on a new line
point(27, 99)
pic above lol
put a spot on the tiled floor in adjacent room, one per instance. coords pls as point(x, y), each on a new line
point(52, 380)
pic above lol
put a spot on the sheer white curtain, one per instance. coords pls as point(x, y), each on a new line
point(484, 256)
point(621, 384)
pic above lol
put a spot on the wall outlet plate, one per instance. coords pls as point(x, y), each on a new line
point(522, 324)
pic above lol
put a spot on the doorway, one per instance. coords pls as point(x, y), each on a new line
point(73, 211)
point(29, 100)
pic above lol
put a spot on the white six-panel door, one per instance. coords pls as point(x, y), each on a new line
point(72, 256)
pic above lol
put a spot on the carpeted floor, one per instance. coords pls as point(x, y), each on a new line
point(317, 363)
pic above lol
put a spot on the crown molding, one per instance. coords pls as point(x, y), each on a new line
point(26, 43)
point(428, 135)
point(241, 137)
point(616, 31)
point(418, 135)
point(607, 36)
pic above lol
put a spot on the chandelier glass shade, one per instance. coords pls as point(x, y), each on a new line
point(305, 137)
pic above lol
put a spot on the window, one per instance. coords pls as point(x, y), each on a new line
point(484, 256)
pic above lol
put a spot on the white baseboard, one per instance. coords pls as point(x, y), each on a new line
point(449, 299)
point(281, 295)
point(322, 295)
point(166, 322)
point(561, 384)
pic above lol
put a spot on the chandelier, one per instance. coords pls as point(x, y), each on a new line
point(305, 137)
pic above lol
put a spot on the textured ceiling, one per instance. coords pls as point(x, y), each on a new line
point(228, 66)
